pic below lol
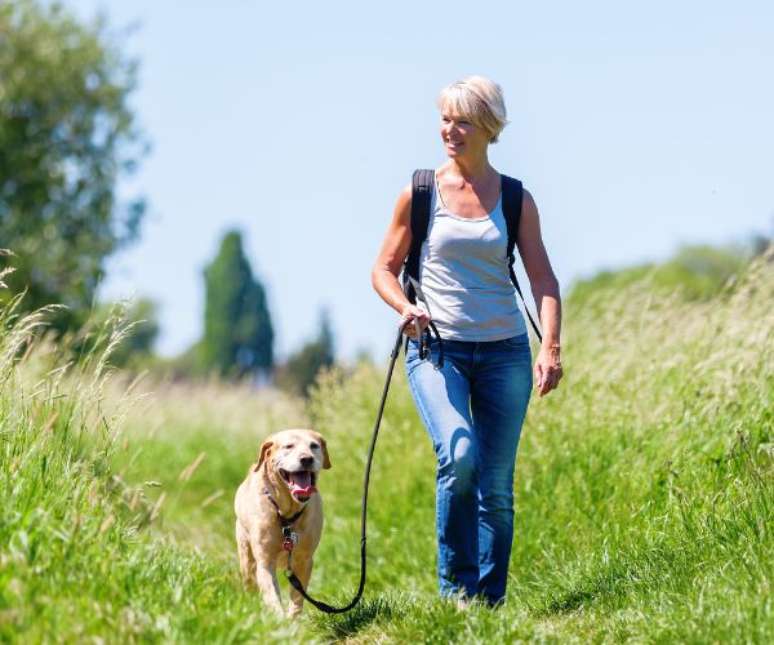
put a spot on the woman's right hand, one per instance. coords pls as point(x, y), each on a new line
point(410, 315)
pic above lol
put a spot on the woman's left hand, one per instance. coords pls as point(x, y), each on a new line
point(548, 369)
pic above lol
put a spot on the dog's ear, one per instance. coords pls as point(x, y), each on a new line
point(264, 452)
point(326, 459)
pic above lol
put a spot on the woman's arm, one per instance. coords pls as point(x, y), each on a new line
point(545, 290)
point(384, 275)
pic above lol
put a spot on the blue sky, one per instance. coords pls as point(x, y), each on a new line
point(637, 128)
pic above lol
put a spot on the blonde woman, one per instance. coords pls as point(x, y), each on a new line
point(474, 404)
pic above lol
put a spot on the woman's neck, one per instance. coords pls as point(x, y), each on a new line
point(471, 170)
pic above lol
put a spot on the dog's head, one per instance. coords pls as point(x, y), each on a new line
point(296, 457)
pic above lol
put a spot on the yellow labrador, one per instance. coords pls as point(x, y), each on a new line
point(281, 489)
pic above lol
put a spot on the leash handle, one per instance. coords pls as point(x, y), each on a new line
point(428, 337)
point(424, 339)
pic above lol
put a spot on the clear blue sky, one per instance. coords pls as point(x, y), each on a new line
point(636, 127)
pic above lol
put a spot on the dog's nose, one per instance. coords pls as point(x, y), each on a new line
point(307, 462)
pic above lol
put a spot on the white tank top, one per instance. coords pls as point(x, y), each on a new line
point(463, 269)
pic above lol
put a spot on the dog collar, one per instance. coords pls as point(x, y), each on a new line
point(289, 537)
point(284, 521)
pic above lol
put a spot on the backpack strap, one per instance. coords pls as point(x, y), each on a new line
point(513, 193)
point(421, 192)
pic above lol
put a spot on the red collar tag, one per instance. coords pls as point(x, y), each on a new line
point(289, 539)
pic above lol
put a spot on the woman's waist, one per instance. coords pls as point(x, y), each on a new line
point(519, 341)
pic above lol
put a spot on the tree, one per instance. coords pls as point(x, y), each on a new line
point(238, 334)
point(67, 135)
point(301, 369)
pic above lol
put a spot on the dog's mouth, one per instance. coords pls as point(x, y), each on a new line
point(301, 483)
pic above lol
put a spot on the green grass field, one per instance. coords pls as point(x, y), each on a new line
point(645, 490)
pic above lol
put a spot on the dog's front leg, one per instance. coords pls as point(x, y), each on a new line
point(266, 580)
point(302, 567)
point(246, 560)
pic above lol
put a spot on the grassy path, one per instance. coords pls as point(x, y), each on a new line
point(645, 490)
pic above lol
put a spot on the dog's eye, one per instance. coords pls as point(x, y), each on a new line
point(314, 446)
point(288, 446)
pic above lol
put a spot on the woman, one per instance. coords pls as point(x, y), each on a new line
point(473, 406)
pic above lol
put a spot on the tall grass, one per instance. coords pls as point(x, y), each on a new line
point(644, 490)
point(78, 556)
point(644, 485)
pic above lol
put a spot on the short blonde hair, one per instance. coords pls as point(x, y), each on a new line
point(479, 99)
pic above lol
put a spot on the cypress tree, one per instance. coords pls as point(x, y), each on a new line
point(238, 334)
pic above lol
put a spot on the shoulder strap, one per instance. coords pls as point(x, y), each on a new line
point(513, 193)
point(421, 192)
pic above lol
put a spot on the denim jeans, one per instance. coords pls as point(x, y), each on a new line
point(473, 408)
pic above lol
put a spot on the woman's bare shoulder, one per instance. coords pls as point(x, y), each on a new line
point(528, 206)
point(403, 205)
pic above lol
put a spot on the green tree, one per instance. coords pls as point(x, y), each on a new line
point(67, 135)
point(238, 334)
point(301, 369)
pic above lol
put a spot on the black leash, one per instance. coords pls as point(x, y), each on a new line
point(424, 344)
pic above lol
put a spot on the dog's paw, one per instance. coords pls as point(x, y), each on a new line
point(294, 612)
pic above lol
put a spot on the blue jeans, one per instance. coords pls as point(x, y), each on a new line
point(473, 408)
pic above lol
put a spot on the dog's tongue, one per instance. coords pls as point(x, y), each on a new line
point(301, 483)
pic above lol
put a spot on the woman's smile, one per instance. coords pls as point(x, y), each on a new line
point(457, 132)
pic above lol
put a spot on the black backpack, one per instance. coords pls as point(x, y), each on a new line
point(421, 191)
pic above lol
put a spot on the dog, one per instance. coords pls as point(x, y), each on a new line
point(281, 488)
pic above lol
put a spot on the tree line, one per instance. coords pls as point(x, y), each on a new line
point(68, 135)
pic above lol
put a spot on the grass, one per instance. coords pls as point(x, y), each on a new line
point(644, 494)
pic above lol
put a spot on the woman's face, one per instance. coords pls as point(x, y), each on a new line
point(460, 137)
